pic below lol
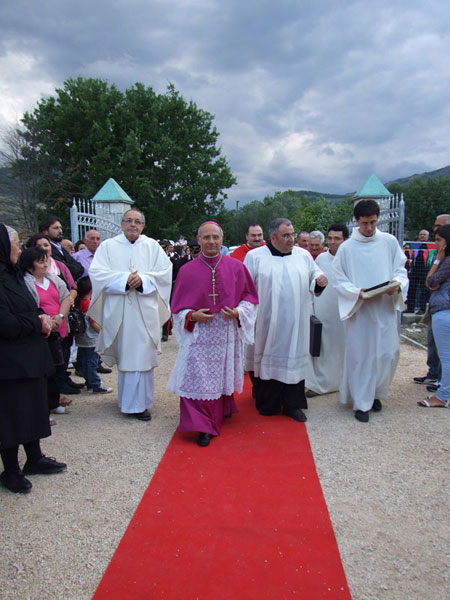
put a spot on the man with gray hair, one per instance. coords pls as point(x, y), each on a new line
point(316, 243)
point(131, 279)
point(284, 275)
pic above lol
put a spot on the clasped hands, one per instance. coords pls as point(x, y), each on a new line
point(134, 280)
point(46, 324)
point(202, 314)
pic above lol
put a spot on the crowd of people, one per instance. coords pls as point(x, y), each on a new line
point(252, 310)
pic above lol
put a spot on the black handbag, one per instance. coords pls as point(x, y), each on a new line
point(315, 335)
point(77, 322)
point(55, 347)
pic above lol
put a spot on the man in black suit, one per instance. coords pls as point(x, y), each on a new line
point(51, 227)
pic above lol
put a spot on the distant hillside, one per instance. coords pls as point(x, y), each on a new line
point(444, 172)
point(10, 211)
point(335, 198)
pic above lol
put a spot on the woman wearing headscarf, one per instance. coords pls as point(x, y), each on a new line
point(25, 363)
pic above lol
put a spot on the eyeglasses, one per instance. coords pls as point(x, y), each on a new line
point(288, 236)
point(135, 221)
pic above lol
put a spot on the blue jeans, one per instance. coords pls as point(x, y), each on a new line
point(441, 332)
point(89, 364)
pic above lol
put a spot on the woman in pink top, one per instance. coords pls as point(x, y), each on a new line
point(65, 383)
point(52, 296)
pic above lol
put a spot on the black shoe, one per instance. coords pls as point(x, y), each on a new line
point(164, 338)
point(103, 370)
point(203, 439)
point(72, 384)
point(361, 415)
point(46, 465)
point(16, 482)
point(424, 379)
point(102, 390)
point(145, 415)
point(432, 387)
point(377, 406)
point(296, 414)
point(67, 390)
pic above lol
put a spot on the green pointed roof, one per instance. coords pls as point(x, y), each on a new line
point(112, 192)
point(373, 188)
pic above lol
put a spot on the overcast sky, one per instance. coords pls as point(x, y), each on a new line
point(306, 94)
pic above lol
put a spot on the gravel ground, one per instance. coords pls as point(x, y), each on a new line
point(386, 485)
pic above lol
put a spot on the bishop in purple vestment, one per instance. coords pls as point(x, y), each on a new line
point(214, 308)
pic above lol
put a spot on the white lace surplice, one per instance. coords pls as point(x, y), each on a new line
point(210, 361)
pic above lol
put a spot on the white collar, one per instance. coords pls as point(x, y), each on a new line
point(359, 237)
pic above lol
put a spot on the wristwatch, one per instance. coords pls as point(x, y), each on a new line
point(62, 316)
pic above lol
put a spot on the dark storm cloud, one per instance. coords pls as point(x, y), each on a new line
point(306, 95)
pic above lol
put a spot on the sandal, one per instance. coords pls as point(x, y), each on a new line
point(426, 403)
point(64, 401)
point(60, 410)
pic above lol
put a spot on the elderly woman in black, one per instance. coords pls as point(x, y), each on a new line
point(25, 362)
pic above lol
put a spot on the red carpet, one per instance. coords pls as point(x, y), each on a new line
point(244, 518)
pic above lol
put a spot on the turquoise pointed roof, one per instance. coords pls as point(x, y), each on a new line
point(373, 188)
point(112, 192)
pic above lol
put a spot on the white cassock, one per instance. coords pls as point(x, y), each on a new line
point(131, 321)
point(284, 285)
point(372, 337)
point(325, 373)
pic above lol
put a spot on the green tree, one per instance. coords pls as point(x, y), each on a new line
point(161, 149)
point(424, 200)
point(321, 214)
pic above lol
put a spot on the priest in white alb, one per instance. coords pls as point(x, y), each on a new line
point(326, 370)
point(285, 277)
point(131, 279)
point(372, 341)
point(214, 306)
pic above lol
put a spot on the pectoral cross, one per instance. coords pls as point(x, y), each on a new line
point(213, 295)
point(213, 271)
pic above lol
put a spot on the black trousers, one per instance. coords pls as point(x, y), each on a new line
point(274, 396)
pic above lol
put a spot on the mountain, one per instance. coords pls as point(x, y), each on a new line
point(444, 172)
point(333, 198)
point(10, 210)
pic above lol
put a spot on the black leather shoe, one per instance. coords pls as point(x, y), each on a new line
point(16, 482)
point(164, 338)
point(377, 406)
point(46, 465)
point(203, 439)
point(362, 416)
point(103, 370)
point(75, 386)
point(296, 414)
point(67, 390)
point(145, 415)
